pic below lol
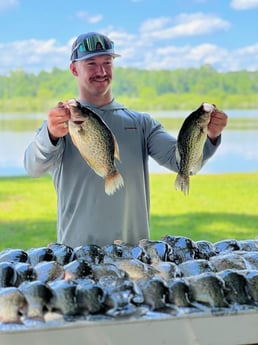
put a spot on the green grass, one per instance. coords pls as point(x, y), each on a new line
point(27, 212)
point(218, 207)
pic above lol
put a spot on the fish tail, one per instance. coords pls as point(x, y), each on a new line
point(113, 182)
point(182, 183)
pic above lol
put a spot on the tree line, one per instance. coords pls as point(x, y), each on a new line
point(136, 88)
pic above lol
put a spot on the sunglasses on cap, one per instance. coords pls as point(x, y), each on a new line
point(92, 45)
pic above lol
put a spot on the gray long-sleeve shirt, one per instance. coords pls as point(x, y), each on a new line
point(86, 214)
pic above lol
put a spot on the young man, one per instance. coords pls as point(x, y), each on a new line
point(86, 214)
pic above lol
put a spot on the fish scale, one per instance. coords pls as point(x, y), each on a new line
point(92, 148)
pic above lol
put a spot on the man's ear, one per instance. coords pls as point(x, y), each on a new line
point(73, 69)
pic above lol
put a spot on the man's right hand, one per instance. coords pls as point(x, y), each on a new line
point(57, 122)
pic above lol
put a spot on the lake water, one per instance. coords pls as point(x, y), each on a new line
point(237, 153)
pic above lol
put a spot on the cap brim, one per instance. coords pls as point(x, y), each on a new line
point(91, 55)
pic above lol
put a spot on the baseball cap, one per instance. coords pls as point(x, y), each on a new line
point(91, 44)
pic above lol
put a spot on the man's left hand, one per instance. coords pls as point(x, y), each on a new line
point(216, 125)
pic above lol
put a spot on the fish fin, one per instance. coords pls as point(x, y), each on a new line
point(116, 151)
point(182, 183)
point(178, 157)
point(113, 182)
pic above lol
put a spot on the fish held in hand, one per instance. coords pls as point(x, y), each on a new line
point(96, 144)
point(190, 142)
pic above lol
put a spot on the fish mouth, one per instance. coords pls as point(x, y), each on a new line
point(207, 107)
point(71, 103)
point(77, 122)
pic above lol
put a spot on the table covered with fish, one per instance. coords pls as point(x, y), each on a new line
point(172, 290)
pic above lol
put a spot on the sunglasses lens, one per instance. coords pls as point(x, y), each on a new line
point(92, 44)
point(96, 42)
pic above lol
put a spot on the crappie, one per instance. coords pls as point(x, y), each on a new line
point(190, 142)
point(13, 305)
point(96, 143)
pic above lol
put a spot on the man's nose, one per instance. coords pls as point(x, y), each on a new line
point(101, 69)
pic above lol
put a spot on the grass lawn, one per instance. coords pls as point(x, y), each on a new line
point(218, 207)
point(27, 212)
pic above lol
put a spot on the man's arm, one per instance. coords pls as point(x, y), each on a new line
point(46, 149)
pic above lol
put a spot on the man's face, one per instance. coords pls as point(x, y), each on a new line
point(94, 74)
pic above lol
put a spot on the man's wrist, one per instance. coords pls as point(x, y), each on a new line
point(53, 139)
point(213, 140)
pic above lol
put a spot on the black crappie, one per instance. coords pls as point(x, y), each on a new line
point(114, 284)
point(96, 143)
point(13, 304)
point(190, 143)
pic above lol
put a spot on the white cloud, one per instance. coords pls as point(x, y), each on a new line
point(87, 17)
point(183, 25)
point(155, 24)
point(246, 56)
point(137, 51)
point(8, 4)
point(33, 55)
point(244, 4)
point(172, 57)
point(208, 54)
point(187, 56)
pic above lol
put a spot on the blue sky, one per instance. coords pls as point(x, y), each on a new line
point(151, 34)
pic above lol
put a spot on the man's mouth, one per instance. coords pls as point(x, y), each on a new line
point(100, 79)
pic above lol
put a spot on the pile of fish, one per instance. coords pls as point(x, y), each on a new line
point(171, 276)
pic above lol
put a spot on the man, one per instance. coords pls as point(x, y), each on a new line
point(86, 214)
